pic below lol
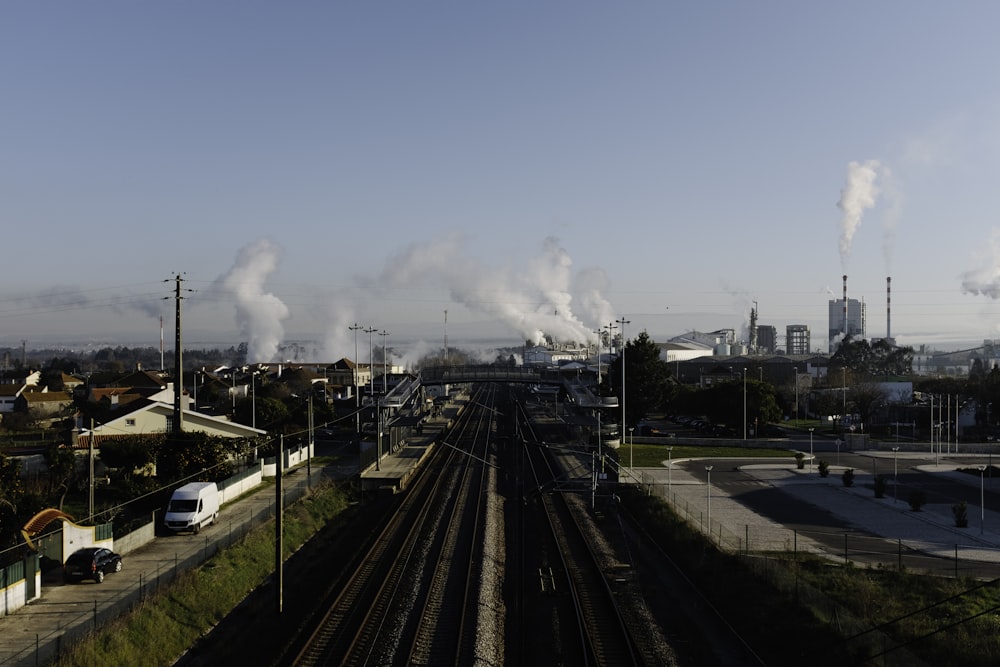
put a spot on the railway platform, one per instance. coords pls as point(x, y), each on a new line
point(394, 470)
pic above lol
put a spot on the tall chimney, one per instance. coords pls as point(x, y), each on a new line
point(844, 330)
point(888, 302)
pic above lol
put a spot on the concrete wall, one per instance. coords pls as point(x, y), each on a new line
point(245, 483)
point(14, 596)
point(137, 538)
point(78, 537)
point(292, 457)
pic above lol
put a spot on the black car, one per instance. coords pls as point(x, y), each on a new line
point(91, 563)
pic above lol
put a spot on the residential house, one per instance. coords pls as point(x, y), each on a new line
point(155, 414)
point(12, 388)
point(43, 403)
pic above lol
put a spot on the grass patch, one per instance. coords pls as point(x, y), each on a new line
point(166, 625)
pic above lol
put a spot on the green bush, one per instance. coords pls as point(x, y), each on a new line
point(917, 500)
point(961, 513)
point(824, 468)
point(848, 477)
point(880, 485)
point(800, 460)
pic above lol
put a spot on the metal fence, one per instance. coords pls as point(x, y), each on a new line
point(50, 644)
point(936, 558)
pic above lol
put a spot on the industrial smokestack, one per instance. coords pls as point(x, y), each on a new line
point(844, 329)
point(888, 303)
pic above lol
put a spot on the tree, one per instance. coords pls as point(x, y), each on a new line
point(872, 359)
point(271, 413)
point(724, 403)
point(646, 378)
point(189, 453)
point(866, 398)
point(131, 453)
point(61, 464)
point(11, 489)
point(825, 403)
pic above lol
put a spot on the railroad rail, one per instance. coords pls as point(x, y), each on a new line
point(414, 599)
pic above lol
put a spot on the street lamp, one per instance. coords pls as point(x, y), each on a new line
point(744, 404)
point(844, 417)
point(371, 386)
point(708, 498)
point(982, 498)
point(600, 335)
point(357, 394)
point(371, 358)
point(631, 450)
point(810, 449)
point(895, 475)
point(621, 356)
point(669, 470)
point(796, 392)
point(385, 357)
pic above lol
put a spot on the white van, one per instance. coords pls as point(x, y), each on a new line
point(192, 506)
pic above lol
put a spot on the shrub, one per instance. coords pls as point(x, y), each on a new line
point(960, 511)
point(880, 486)
point(824, 468)
point(917, 499)
point(848, 477)
point(800, 460)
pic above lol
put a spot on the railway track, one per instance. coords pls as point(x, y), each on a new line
point(414, 599)
point(599, 629)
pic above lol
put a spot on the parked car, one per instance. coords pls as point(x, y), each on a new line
point(91, 563)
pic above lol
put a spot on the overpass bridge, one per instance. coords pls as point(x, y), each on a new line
point(403, 407)
point(579, 393)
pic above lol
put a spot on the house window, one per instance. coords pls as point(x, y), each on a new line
point(170, 423)
point(130, 422)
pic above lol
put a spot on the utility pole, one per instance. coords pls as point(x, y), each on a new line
point(371, 393)
point(357, 392)
point(178, 426)
point(385, 359)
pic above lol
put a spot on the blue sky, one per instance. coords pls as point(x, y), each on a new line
point(525, 166)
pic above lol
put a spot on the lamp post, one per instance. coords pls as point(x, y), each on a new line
point(982, 498)
point(895, 475)
point(844, 417)
point(796, 392)
point(621, 356)
point(744, 404)
point(669, 470)
point(708, 497)
point(357, 394)
point(631, 450)
point(810, 449)
point(385, 357)
point(371, 385)
point(600, 333)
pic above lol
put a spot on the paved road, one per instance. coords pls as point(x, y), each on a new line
point(770, 504)
point(36, 633)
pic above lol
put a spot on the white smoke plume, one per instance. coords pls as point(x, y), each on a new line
point(535, 301)
point(858, 195)
point(590, 286)
point(259, 314)
point(985, 280)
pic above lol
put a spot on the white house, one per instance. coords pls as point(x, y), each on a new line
point(156, 414)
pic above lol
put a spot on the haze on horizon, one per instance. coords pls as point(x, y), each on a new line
point(532, 170)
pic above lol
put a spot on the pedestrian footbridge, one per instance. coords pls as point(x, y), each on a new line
point(578, 392)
